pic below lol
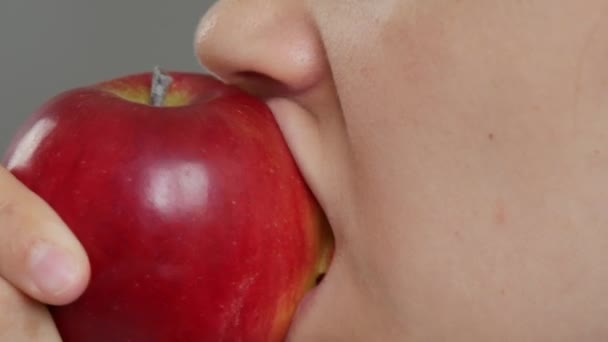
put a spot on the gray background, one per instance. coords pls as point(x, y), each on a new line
point(48, 46)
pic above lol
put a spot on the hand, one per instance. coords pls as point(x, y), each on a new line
point(41, 262)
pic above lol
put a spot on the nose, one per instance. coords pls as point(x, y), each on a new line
point(268, 47)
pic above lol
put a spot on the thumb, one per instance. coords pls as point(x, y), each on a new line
point(39, 255)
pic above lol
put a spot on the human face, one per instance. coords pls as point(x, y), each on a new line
point(459, 149)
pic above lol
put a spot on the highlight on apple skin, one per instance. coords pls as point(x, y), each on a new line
point(196, 220)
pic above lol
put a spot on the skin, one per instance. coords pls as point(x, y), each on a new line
point(458, 148)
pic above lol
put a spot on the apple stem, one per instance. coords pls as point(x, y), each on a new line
point(160, 87)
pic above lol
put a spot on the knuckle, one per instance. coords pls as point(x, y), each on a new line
point(10, 218)
point(10, 193)
point(13, 242)
point(7, 207)
point(7, 197)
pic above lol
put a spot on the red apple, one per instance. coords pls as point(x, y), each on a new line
point(196, 220)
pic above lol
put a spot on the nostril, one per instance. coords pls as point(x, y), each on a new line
point(253, 75)
point(258, 84)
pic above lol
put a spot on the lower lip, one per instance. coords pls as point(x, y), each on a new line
point(307, 302)
point(303, 310)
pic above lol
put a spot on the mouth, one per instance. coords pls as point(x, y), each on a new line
point(299, 128)
point(324, 254)
point(304, 309)
point(307, 302)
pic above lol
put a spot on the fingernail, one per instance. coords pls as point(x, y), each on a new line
point(53, 270)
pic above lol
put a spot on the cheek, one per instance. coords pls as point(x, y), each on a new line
point(436, 97)
point(392, 74)
point(389, 75)
point(452, 202)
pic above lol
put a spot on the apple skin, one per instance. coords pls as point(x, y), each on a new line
point(196, 220)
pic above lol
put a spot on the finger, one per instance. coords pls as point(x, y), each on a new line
point(39, 255)
point(22, 319)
